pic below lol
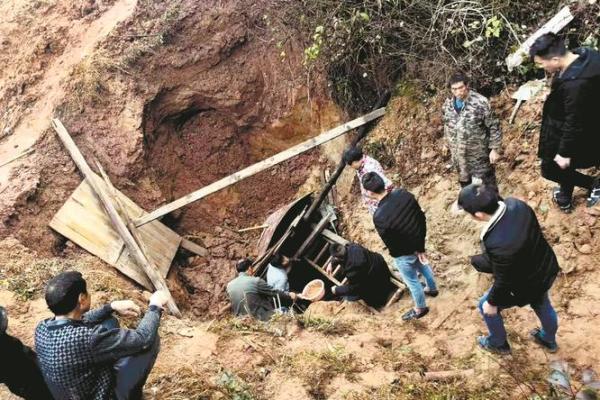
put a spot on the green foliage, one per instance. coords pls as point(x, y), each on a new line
point(493, 27)
point(235, 388)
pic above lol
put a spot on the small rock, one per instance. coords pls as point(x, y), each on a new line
point(585, 249)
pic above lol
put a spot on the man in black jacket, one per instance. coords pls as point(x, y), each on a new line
point(522, 262)
point(570, 133)
point(367, 272)
point(401, 224)
point(84, 355)
point(19, 370)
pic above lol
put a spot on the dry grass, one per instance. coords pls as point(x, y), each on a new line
point(325, 326)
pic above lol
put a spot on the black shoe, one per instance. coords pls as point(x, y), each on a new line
point(431, 293)
point(561, 200)
point(536, 334)
point(484, 343)
point(594, 194)
point(412, 314)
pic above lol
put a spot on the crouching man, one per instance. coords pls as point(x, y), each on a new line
point(20, 371)
point(367, 272)
point(252, 296)
point(522, 262)
point(84, 355)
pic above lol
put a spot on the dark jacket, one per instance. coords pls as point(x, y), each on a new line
point(522, 261)
point(368, 276)
point(570, 123)
point(19, 370)
point(253, 296)
point(77, 357)
point(400, 222)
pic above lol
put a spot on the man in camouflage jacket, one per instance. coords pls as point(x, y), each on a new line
point(472, 132)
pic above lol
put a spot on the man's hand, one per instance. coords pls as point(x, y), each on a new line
point(294, 296)
point(329, 268)
point(159, 298)
point(494, 157)
point(489, 309)
point(126, 308)
point(422, 258)
point(563, 162)
point(333, 290)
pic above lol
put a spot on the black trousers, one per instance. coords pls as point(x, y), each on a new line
point(566, 178)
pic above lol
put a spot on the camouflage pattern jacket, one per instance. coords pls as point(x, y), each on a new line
point(471, 134)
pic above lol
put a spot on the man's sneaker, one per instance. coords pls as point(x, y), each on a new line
point(484, 343)
point(594, 195)
point(431, 293)
point(412, 314)
point(563, 202)
point(537, 336)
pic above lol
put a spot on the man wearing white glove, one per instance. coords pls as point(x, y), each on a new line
point(84, 354)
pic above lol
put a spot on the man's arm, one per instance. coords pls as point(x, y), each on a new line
point(266, 289)
point(98, 315)
point(493, 125)
point(575, 94)
point(501, 290)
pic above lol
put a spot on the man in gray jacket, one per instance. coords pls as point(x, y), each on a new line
point(84, 355)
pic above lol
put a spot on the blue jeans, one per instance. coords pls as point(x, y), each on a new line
point(544, 311)
point(131, 372)
point(409, 267)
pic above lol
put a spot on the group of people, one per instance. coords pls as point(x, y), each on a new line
point(81, 353)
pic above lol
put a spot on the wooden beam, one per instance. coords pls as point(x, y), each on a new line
point(313, 235)
point(260, 166)
point(559, 21)
point(194, 247)
point(135, 251)
point(334, 237)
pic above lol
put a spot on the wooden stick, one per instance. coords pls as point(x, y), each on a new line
point(193, 247)
point(313, 235)
point(28, 151)
point(252, 228)
point(260, 166)
point(442, 376)
point(157, 280)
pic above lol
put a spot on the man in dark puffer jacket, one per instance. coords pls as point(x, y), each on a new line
point(401, 224)
point(367, 272)
point(522, 262)
point(570, 134)
point(19, 370)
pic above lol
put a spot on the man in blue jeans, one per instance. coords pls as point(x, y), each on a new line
point(401, 224)
point(522, 262)
point(84, 355)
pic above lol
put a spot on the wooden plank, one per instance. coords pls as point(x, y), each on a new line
point(151, 271)
point(334, 237)
point(313, 235)
point(558, 22)
point(260, 166)
point(193, 247)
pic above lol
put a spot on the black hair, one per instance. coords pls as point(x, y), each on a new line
point(373, 182)
point(243, 265)
point(479, 198)
point(352, 154)
point(337, 252)
point(458, 77)
point(547, 46)
point(62, 292)
point(277, 260)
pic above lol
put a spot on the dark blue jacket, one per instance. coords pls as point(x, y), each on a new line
point(522, 261)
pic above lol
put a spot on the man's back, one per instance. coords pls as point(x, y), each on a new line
point(524, 263)
point(401, 223)
point(67, 359)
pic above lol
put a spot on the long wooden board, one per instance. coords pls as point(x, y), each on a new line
point(83, 220)
point(260, 166)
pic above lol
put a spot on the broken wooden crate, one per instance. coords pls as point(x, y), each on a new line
point(83, 220)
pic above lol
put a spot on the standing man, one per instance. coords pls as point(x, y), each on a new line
point(570, 136)
point(367, 272)
point(364, 164)
point(252, 296)
point(19, 370)
point(401, 224)
point(521, 260)
point(84, 355)
point(472, 132)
